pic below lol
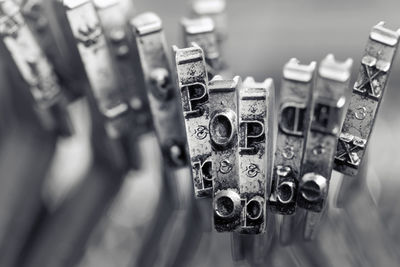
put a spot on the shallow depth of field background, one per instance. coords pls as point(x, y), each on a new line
point(262, 36)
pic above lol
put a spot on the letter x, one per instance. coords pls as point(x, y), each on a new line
point(89, 35)
point(375, 90)
point(352, 159)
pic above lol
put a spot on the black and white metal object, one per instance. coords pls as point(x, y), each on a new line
point(99, 66)
point(35, 69)
point(294, 121)
point(255, 136)
point(163, 96)
point(215, 9)
point(329, 103)
point(114, 17)
point(193, 86)
point(47, 21)
point(366, 98)
point(225, 161)
point(202, 32)
point(322, 137)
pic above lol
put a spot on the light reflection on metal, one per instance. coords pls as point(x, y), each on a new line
point(366, 98)
point(193, 86)
point(225, 161)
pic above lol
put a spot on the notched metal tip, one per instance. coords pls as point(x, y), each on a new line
point(100, 4)
point(218, 84)
point(71, 4)
point(198, 25)
point(293, 70)
point(252, 90)
point(189, 54)
point(146, 23)
point(205, 7)
point(332, 69)
point(384, 35)
point(267, 84)
point(294, 60)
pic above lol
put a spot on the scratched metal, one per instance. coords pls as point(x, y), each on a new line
point(294, 121)
point(193, 86)
point(223, 127)
point(366, 98)
point(321, 141)
point(98, 63)
point(114, 20)
point(253, 112)
point(161, 89)
point(34, 67)
point(202, 32)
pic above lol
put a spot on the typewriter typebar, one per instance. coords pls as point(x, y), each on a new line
point(35, 69)
point(202, 32)
point(114, 16)
point(321, 141)
point(193, 86)
point(223, 127)
point(99, 65)
point(255, 107)
point(47, 20)
point(366, 98)
point(215, 9)
point(161, 89)
point(37, 19)
point(294, 121)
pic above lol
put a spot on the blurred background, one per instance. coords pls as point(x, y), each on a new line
point(60, 205)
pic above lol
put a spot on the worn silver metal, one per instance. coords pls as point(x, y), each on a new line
point(161, 89)
point(216, 9)
point(294, 122)
point(114, 17)
point(255, 107)
point(98, 63)
point(225, 161)
point(366, 98)
point(202, 32)
point(193, 85)
point(34, 67)
point(321, 141)
point(328, 106)
point(168, 124)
